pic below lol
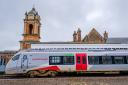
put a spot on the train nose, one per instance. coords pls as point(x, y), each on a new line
point(6, 69)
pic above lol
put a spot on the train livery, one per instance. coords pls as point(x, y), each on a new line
point(36, 62)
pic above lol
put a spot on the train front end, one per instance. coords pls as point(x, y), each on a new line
point(11, 67)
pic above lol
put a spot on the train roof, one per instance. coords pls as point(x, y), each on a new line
point(77, 50)
point(75, 45)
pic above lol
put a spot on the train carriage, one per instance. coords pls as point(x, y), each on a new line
point(50, 61)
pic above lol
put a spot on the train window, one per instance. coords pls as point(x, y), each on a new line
point(119, 59)
point(84, 60)
point(16, 57)
point(78, 60)
point(100, 59)
point(68, 60)
point(106, 60)
point(53, 60)
point(93, 59)
point(127, 59)
point(113, 62)
point(61, 60)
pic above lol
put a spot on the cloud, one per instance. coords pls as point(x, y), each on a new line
point(94, 15)
point(60, 18)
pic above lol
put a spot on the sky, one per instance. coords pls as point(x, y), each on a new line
point(59, 19)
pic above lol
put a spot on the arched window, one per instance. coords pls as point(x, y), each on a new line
point(30, 29)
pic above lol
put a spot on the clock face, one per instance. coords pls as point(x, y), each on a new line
point(30, 17)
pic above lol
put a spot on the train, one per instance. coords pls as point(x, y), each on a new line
point(51, 61)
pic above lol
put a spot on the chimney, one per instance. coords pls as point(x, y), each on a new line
point(79, 35)
point(105, 36)
point(74, 36)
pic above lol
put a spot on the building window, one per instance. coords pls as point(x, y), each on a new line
point(39, 30)
point(4, 61)
point(30, 29)
point(1, 61)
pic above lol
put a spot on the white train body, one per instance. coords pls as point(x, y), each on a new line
point(70, 60)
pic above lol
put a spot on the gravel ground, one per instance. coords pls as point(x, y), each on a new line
point(118, 80)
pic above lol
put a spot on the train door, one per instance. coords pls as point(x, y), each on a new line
point(81, 62)
point(24, 63)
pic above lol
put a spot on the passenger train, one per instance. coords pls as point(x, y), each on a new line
point(51, 61)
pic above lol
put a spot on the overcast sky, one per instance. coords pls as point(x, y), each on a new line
point(60, 18)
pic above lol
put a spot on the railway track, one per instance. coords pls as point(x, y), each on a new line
point(120, 80)
point(68, 75)
point(86, 79)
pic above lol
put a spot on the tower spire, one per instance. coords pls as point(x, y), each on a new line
point(33, 6)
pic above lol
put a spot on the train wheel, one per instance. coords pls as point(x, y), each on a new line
point(53, 73)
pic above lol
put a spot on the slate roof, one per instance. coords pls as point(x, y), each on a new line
point(117, 40)
point(57, 42)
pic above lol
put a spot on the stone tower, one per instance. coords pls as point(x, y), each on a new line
point(31, 29)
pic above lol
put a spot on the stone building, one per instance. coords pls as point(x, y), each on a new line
point(92, 38)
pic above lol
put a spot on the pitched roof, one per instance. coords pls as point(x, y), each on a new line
point(94, 31)
point(91, 34)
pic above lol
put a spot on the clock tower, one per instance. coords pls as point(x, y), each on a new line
point(31, 29)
